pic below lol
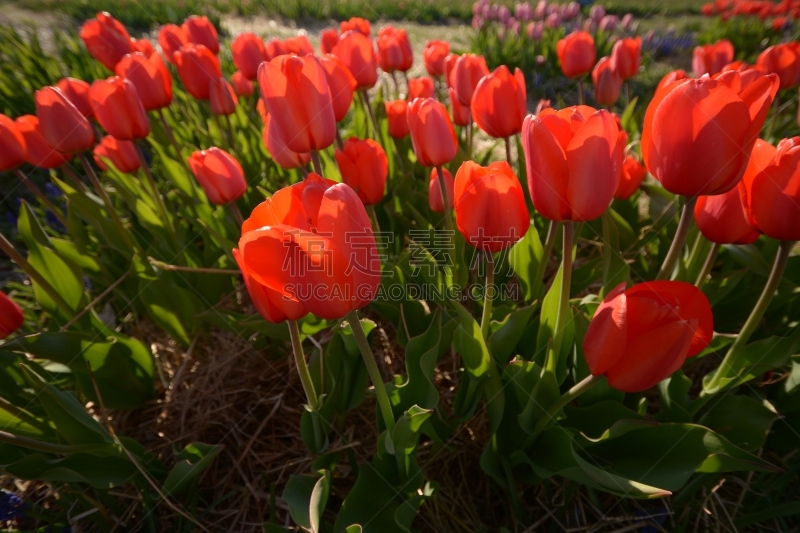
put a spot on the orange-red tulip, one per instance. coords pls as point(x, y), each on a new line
point(626, 57)
point(435, 192)
point(607, 82)
point(461, 113)
point(468, 70)
point(421, 87)
point(241, 85)
point(490, 205)
point(296, 94)
point(77, 92)
point(432, 133)
point(784, 60)
point(248, 53)
point(270, 304)
point(197, 67)
point(118, 108)
point(356, 53)
point(172, 38)
point(721, 219)
point(37, 152)
point(11, 318)
point(219, 174)
point(202, 32)
point(327, 40)
point(449, 65)
point(671, 77)
point(642, 335)
point(313, 242)
point(12, 145)
point(356, 24)
point(396, 113)
point(574, 160)
point(633, 173)
point(222, 98)
point(299, 45)
point(106, 39)
point(770, 189)
point(499, 103)
point(342, 84)
point(711, 58)
point(122, 154)
point(143, 46)
point(274, 48)
point(63, 126)
point(576, 54)
point(706, 152)
point(394, 49)
point(433, 55)
point(151, 78)
point(277, 149)
point(364, 167)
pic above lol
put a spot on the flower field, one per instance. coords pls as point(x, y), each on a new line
point(541, 278)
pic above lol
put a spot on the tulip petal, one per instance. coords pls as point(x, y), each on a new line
point(607, 335)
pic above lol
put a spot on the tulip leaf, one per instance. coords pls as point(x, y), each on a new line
point(525, 258)
point(503, 342)
point(547, 329)
point(307, 495)
point(615, 268)
point(597, 418)
point(172, 307)
point(406, 431)
point(192, 462)
point(102, 472)
point(744, 421)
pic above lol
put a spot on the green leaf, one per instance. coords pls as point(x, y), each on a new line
point(742, 420)
point(421, 355)
point(102, 472)
point(307, 495)
point(192, 462)
point(525, 258)
point(171, 307)
point(594, 420)
point(503, 342)
point(547, 329)
point(615, 268)
point(406, 431)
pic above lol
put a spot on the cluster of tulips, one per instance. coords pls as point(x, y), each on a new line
point(780, 12)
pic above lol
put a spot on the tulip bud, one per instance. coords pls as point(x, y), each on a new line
point(221, 97)
point(461, 113)
point(150, 77)
point(364, 167)
point(143, 46)
point(274, 48)
point(63, 126)
point(241, 85)
point(607, 82)
point(435, 192)
point(327, 40)
point(671, 77)
point(432, 134)
point(77, 92)
point(394, 50)
point(633, 173)
point(172, 38)
point(721, 219)
point(197, 67)
point(299, 45)
point(396, 113)
point(118, 109)
point(12, 142)
point(499, 103)
point(106, 39)
point(356, 53)
point(711, 58)
point(122, 154)
point(37, 151)
point(11, 317)
point(202, 32)
point(626, 56)
point(468, 70)
point(342, 84)
point(421, 87)
point(449, 65)
point(784, 60)
point(433, 55)
point(219, 174)
point(277, 149)
point(576, 53)
point(248, 53)
point(356, 24)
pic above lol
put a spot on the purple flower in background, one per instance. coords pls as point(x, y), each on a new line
point(515, 27)
point(477, 22)
point(554, 8)
point(571, 11)
point(597, 13)
point(541, 10)
point(486, 12)
point(589, 25)
point(609, 23)
point(628, 23)
point(52, 190)
point(503, 14)
point(535, 30)
point(553, 20)
point(495, 10)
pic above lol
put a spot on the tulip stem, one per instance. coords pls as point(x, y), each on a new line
point(376, 228)
point(396, 86)
point(706, 270)
point(372, 370)
point(579, 388)
point(236, 213)
point(399, 157)
point(371, 114)
point(775, 112)
point(552, 231)
point(173, 141)
point(563, 302)
point(317, 163)
point(729, 361)
point(469, 138)
point(687, 215)
point(508, 149)
point(580, 91)
point(302, 367)
point(87, 166)
point(155, 192)
point(339, 141)
point(448, 219)
point(79, 185)
point(40, 195)
point(486, 316)
point(627, 93)
point(230, 134)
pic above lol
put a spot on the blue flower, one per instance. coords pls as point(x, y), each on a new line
point(52, 190)
point(10, 506)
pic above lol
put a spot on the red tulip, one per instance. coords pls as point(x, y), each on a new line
point(607, 82)
point(421, 87)
point(574, 160)
point(432, 133)
point(770, 189)
point(499, 103)
point(11, 318)
point(77, 92)
point(721, 219)
point(222, 98)
point(248, 53)
point(341, 84)
point(143, 46)
point(299, 45)
point(118, 108)
point(364, 167)
point(106, 39)
point(319, 233)
point(274, 48)
point(63, 126)
point(709, 59)
point(461, 113)
point(37, 152)
point(449, 64)
point(356, 53)
point(394, 49)
point(396, 113)
point(490, 205)
point(295, 91)
point(640, 336)
point(277, 149)
point(356, 24)
point(706, 152)
point(12, 143)
point(433, 55)
point(202, 32)
point(671, 77)
point(122, 154)
point(219, 174)
point(468, 70)
point(241, 85)
point(151, 78)
point(271, 305)
point(327, 40)
point(576, 53)
point(784, 60)
point(633, 173)
point(626, 57)
point(172, 38)
point(197, 67)
point(435, 193)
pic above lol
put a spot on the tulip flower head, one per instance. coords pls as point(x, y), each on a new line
point(277, 149)
point(432, 134)
point(197, 68)
point(499, 103)
point(397, 116)
point(37, 150)
point(394, 49)
point(220, 175)
point(633, 173)
point(299, 45)
point(642, 335)
point(468, 70)
point(106, 39)
point(172, 38)
point(248, 53)
point(421, 87)
point(342, 85)
point(272, 305)
point(784, 60)
point(222, 97)
point(435, 192)
point(357, 54)
point(12, 142)
point(607, 82)
point(327, 40)
point(274, 48)
point(122, 155)
point(356, 24)
point(143, 46)
point(433, 55)
point(202, 32)
point(461, 113)
point(241, 85)
point(576, 54)
point(364, 167)
point(11, 317)
point(711, 58)
point(64, 127)
point(118, 108)
point(626, 57)
point(671, 77)
point(151, 78)
point(77, 92)
point(721, 219)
